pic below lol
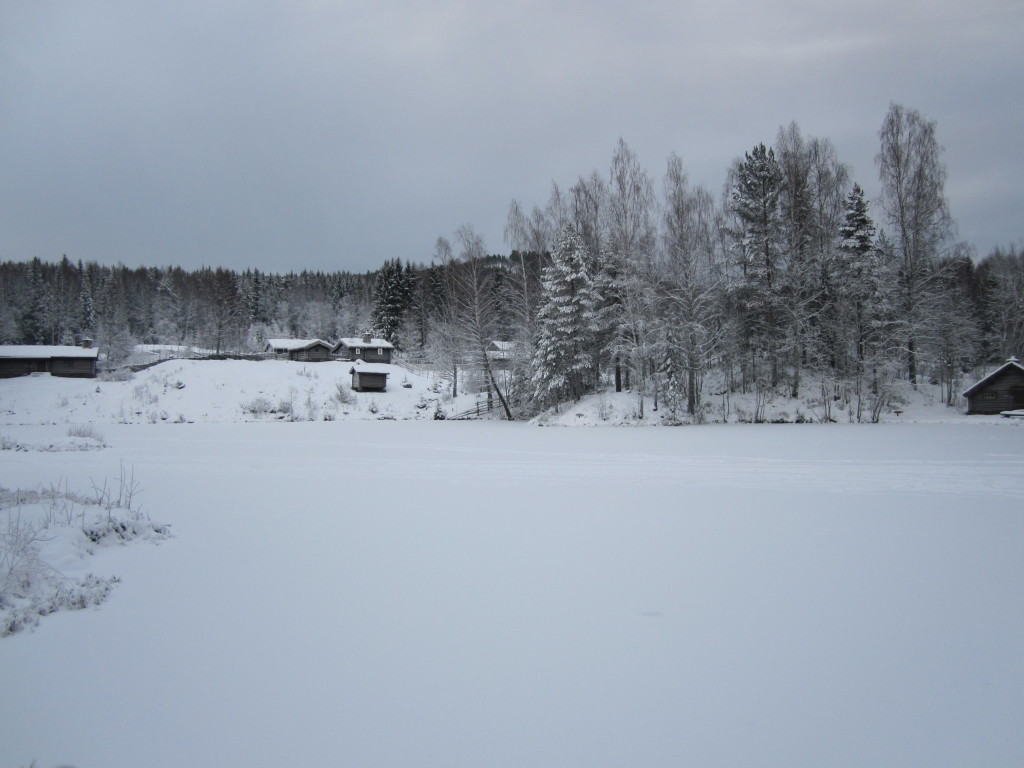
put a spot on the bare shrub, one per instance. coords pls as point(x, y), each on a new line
point(258, 407)
point(87, 431)
point(343, 393)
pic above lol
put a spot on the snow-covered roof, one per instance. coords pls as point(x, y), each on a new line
point(1013, 362)
point(501, 350)
point(46, 351)
point(358, 342)
point(360, 367)
point(290, 345)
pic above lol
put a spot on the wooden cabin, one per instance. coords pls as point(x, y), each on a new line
point(500, 354)
point(369, 377)
point(67, 361)
point(367, 349)
point(302, 350)
point(1002, 390)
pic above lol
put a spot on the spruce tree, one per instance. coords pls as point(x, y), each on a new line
point(755, 202)
point(35, 319)
point(567, 319)
point(860, 273)
point(863, 288)
point(391, 297)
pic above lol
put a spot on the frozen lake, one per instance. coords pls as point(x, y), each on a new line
point(480, 594)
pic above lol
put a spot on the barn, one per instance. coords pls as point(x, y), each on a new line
point(302, 350)
point(367, 349)
point(68, 361)
point(369, 377)
point(1002, 390)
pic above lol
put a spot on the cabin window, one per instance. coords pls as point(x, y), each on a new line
point(359, 350)
point(989, 395)
point(380, 350)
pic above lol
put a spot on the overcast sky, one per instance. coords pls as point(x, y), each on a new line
point(323, 134)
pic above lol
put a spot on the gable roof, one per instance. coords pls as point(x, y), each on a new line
point(1010, 364)
point(46, 351)
point(358, 342)
point(361, 367)
point(291, 345)
point(502, 350)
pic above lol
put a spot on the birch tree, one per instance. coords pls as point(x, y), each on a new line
point(913, 198)
point(691, 285)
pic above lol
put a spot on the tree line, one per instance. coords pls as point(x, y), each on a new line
point(789, 280)
point(214, 309)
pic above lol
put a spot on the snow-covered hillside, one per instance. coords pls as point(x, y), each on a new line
point(224, 391)
point(219, 391)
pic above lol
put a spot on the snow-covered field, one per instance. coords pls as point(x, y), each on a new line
point(420, 593)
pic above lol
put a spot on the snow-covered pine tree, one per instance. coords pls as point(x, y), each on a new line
point(391, 296)
point(35, 320)
point(86, 313)
point(863, 287)
point(759, 237)
point(567, 322)
point(859, 274)
point(813, 190)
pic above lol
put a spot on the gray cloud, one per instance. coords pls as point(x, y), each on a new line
point(333, 135)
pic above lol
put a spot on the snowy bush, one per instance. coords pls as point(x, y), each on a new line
point(49, 524)
point(145, 395)
point(19, 556)
point(116, 374)
point(286, 406)
point(343, 392)
point(87, 431)
point(312, 406)
point(285, 409)
point(258, 407)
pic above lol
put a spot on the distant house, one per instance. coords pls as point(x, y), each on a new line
point(501, 353)
point(303, 350)
point(367, 349)
point(369, 377)
point(1002, 390)
point(25, 359)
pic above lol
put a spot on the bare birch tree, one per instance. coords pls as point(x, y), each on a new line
point(691, 284)
point(913, 198)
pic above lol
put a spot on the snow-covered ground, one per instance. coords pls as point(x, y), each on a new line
point(177, 391)
point(223, 391)
point(421, 593)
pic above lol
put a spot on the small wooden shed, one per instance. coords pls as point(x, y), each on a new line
point(302, 350)
point(370, 377)
point(67, 361)
point(367, 349)
point(1002, 390)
